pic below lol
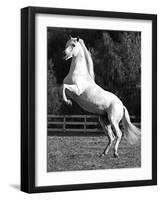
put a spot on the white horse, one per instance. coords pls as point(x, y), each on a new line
point(80, 86)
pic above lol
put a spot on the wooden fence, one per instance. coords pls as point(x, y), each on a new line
point(77, 123)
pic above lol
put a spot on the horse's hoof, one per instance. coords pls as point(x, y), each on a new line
point(101, 155)
point(69, 102)
point(116, 155)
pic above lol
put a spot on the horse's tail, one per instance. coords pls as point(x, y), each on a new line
point(132, 133)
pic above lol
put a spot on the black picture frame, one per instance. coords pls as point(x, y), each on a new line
point(28, 98)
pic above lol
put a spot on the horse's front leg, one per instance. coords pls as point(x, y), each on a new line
point(73, 89)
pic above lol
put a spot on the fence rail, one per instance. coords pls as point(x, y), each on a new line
point(77, 123)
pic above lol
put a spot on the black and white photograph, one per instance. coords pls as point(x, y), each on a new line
point(93, 99)
point(88, 99)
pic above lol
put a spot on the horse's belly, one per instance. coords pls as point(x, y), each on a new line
point(94, 99)
point(92, 109)
point(91, 103)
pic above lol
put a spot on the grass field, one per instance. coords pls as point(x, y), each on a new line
point(68, 153)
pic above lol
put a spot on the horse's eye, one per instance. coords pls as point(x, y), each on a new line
point(73, 45)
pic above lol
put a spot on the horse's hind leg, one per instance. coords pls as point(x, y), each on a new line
point(108, 131)
point(118, 135)
point(115, 114)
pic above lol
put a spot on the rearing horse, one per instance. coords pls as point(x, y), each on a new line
point(81, 87)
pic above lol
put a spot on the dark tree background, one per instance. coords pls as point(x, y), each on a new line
point(117, 65)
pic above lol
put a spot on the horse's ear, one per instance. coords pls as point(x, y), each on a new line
point(77, 38)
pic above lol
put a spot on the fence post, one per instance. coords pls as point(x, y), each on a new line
point(64, 125)
point(85, 120)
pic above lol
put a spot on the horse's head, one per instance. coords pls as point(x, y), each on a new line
point(72, 48)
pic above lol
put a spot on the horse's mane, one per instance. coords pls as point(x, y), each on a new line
point(88, 60)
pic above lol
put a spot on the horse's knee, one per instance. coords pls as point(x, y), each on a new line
point(78, 92)
point(63, 92)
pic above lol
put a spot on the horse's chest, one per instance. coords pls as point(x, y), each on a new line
point(68, 80)
point(80, 81)
point(90, 106)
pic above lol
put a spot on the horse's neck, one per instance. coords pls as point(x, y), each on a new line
point(89, 61)
point(78, 65)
